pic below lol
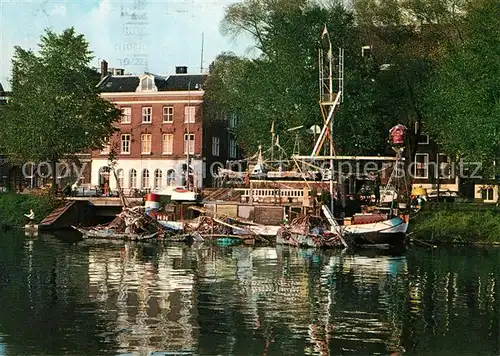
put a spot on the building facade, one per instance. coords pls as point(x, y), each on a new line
point(162, 131)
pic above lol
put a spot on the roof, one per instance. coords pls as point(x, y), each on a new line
point(174, 82)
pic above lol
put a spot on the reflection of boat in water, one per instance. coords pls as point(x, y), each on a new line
point(114, 234)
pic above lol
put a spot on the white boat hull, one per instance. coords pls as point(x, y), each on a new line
point(391, 231)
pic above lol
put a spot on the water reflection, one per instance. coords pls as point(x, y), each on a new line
point(81, 298)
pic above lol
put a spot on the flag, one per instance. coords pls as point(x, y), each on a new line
point(272, 128)
point(325, 33)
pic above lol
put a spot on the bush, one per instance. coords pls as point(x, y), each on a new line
point(14, 206)
point(455, 226)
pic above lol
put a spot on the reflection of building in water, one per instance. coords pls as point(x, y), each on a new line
point(151, 302)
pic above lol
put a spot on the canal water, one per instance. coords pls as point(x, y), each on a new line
point(81, 298)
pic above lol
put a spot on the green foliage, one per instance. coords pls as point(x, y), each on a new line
point(14, 206)
point(459, 226)
point(55, 109)
point(463, 101)
point(281, 83)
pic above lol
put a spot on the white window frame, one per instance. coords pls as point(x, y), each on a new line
point(215, 146)
point(233, 148)
point(145, 179)
point(132, 179)
point(157, 180)
point(426, 163)
point(191, 139)
point(233, 120)
point(426, 142)
point(146, 144)
point(189, 114)
point(167, 145)
point(485, 192)
point(149, 84)
point(106, 150)
point(171, 178)
point(147, 114)
point(126, 115)
point(123, 139)
point(168, 114)
point(440, 163)
point(119, 176)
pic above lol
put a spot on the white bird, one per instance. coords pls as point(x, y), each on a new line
point(31, 215)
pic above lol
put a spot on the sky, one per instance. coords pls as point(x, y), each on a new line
point(137, 35)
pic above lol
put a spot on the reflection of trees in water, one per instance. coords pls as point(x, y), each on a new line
point(43, 285)
point(453, 304)
point(243, 300)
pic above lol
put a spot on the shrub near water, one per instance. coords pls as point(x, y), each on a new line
point(480, 226)
point(14, 206)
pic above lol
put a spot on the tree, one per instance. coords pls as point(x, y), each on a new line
point(408, 40)
point(55, 110)
point(281, 84)
point(463, 100)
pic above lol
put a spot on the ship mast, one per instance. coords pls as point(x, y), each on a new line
point(330, 98)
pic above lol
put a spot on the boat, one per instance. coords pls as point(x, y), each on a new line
point(114, 234)
point(384, 232)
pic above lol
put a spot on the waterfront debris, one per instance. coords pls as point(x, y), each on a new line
point(308, 231)
point(130, 223)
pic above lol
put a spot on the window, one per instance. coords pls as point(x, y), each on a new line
point(157, 181)
point(189, 142)
point(132, 179)
point(126, 115)
point(146, 115)
point(146, 144)
point(168, 114)
point(487, 194)
point(189, 114)
point(232, 148)
point(233, 120)
point(215, 146)
point(422, 165)
point(119, 181)
point(145, 178)
point(146, 84)
point(444, 164)
point(106, 149)
point(170, 177)
point(125, 146)
point(168, 144)
point(423, 139)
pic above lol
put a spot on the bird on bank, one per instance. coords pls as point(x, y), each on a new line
point(31, 215)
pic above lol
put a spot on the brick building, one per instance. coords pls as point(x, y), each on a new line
point(162, 127)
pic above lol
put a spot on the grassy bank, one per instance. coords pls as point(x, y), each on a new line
point(458, 225)
point(14, 206)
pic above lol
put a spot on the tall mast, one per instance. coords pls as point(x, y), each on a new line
point(202, 42)
point(330, 99)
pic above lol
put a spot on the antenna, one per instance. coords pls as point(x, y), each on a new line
point(202, 41)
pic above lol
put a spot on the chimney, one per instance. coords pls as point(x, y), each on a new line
point(104, 69)
point(181, 70)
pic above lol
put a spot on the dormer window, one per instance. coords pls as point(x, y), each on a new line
point(147, 83)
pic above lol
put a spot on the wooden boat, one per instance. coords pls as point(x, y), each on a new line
point(386, 231)
point(309, 231)
point(113, 234)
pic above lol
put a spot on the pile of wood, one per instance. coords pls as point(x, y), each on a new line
point(133, 221)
